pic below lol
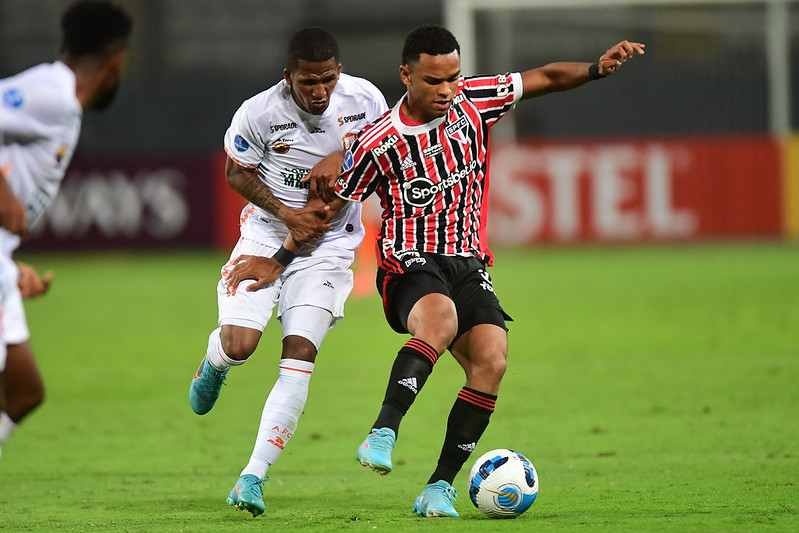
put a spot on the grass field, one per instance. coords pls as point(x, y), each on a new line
point(654, 388)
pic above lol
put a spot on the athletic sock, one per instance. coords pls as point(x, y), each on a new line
point(412, 367)
point(280, 415)
point(216, 356)
point(467, 421)
point(7, 427)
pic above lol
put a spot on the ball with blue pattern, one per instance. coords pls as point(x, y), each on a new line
point(503, 483)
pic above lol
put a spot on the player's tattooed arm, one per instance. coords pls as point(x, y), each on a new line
point(303, 225)
point(12, 214)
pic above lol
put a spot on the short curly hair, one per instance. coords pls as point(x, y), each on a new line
point(88, 26)
point(311, 44)
point(428, 39)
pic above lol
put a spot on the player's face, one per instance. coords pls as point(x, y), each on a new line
point(432, 82)
point(109, 81)
point(312, 83)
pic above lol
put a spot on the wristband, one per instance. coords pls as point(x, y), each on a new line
point(593, 72)
point(283, 256)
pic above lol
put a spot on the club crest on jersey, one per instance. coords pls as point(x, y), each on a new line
point(455, 130)
point(281, 148)
point(390, 141)
point(13, 98)
point(241, 143)
point(348, 140)
point(421, 191)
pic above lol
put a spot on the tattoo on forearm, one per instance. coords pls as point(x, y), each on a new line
point(254, 190)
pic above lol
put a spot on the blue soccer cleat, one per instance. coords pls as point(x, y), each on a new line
point(436, 500)
point(248, 494)
point(205, 387)
point(375, 451)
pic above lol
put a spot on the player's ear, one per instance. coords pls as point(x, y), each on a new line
point(287, 76)
point(405, 75)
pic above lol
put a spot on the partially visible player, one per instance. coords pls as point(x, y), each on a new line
point(40, 117)
point(427, 160)
point(278, 140)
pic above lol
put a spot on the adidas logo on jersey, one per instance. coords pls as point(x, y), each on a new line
point(328, 284)
point(409, 383)
point(407, 163)
point(468, 447)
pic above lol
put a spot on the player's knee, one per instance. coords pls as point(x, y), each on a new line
point(238, 346)
point(297, 347)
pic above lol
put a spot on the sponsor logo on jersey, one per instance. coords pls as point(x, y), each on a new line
point(415, 260)
point(502, 85)
point(390, 141)
point(486, 283)
point(432, 151)
point(241, 144)
point(346, 119)
point(407, 163)
point(460, 97)
point(13, 98)
point(421, 191)
point(317, 130)
point(292, 177)
point(282, 127)
point(281, 148)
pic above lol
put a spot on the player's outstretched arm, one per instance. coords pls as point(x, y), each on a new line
point(304, 225)
point(556, 77)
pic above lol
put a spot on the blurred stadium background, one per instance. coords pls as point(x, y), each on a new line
point(691, 142)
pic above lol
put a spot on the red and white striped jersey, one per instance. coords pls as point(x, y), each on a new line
point(432, 179)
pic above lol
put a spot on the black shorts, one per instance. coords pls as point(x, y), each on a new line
point(463, 279)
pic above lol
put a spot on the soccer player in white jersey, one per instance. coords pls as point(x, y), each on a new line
point(427, 160)
point(278, 142)
point(40, 117)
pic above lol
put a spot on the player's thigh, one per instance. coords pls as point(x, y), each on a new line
point(245, 309)
point(323, 281)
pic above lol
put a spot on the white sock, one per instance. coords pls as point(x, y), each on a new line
point(281, 412)
point(216, 355)
point(7, 427)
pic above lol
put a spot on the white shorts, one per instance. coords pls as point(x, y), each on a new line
point(323, 280)
point(13, 325)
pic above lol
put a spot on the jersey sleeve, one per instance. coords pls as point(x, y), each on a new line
point(243, 143)
point(360, 175)
point(29, 113)
point(493, 95)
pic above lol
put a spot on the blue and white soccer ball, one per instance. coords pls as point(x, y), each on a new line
point(503, 484)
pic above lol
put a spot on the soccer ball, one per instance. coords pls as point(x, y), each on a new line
point(503, 484)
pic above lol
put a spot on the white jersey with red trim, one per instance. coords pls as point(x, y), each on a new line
point(432, 179)
point(272, 134)
point(40, 119)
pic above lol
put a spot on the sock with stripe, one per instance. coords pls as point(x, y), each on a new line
point(413, 365)
point(7, 426)
point(280, 415)
point(216, 356)
point(467, 421)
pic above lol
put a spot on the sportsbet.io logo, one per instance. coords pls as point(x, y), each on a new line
point(420, 192)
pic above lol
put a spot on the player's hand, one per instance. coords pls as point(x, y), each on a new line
point(30, 284)
point(616, 55)
point(308, 224)
point(12, 214)
point(323, 176)
point(264, 270)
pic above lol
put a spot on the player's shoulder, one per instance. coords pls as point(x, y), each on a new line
point(45, 91)
point(379, 133)
point(268, 106)
point(349, 84)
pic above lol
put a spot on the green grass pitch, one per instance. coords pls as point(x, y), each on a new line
point(655, 388)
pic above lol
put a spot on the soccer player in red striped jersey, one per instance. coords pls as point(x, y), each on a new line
point(427, 160)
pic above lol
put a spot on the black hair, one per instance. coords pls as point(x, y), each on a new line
point(88, 26)
point(311, 44)
point(428, 39)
